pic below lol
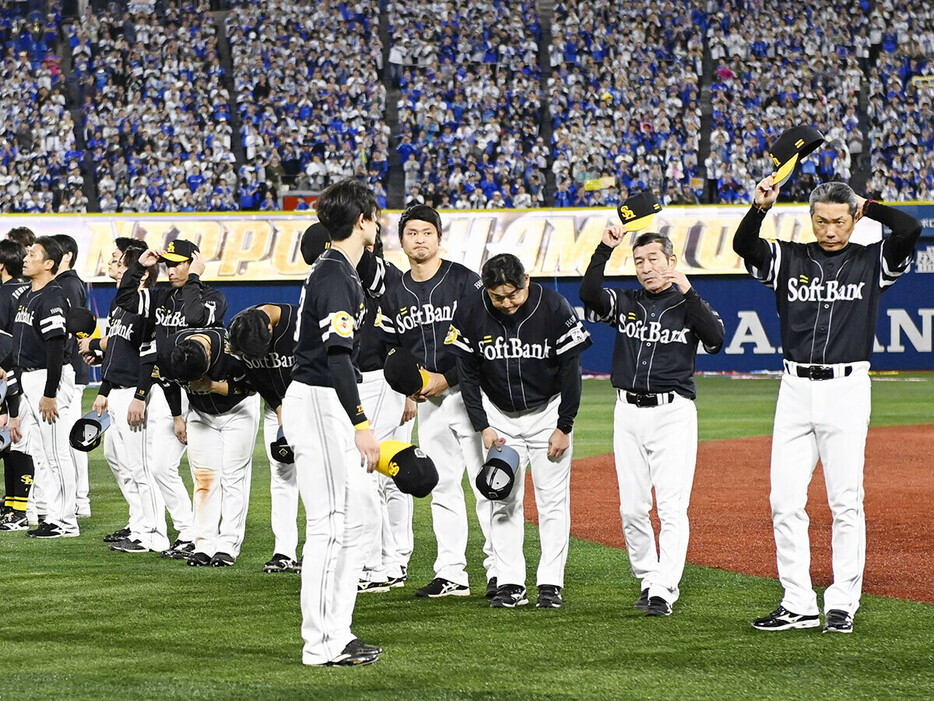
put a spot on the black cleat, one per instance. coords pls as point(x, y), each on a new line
point(838, 621)
point(491, 588)
point(356, 654)
point(783, 619)
point(199, 560)
point(439, 587)
point(117, 535)
point(221, 560)
point(658, 607)
point(549, 597)
point(642, 603)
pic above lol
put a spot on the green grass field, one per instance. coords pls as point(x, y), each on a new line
point(82, 622)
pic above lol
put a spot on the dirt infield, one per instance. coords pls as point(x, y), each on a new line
point(731, 526)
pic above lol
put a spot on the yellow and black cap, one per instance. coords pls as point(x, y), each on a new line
point(638, 211)
point(403, 373)
point(411, 469)
point(87, 432)
point(793, 146)
point(81, 322)
point(179, 251)
point(315, 241)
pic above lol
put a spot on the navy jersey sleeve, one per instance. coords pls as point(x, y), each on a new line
point(51, 315)
point(337, 312)
point(570, 336)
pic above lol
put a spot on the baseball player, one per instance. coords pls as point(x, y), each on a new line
point(417, 314)
point(827, 295)
point(188, 303)
point(46, 380)
point(520, 343)
point(263, 337)
point(220, 431)
point(77, 293)
point(127, 449)
point(331, 437)
point(658, 328)
point(17, 461)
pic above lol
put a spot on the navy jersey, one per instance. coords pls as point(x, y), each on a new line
point(657, 334)
point(10, 292)
point(127, 335)
point(271, 374)
point(40, 317)
point(521, 358)
point(418, 315)
point(331, 311)
point(222, 367)
point(373, 343)
point(828, 301)
point(77, 294)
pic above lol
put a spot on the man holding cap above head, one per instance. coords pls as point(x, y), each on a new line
point(658, 328)
point(518, 347)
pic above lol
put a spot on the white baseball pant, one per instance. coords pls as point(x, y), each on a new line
point(59, 482)
point(29, 444)
point(166, 459)
point(128, 451)
point(333, 488)
point(220, 452)
point(283, 492)
point(528, 433)
point(446, 435)
point(826, 419)
point(388, 526)
point(78, 457)
point(656, 447)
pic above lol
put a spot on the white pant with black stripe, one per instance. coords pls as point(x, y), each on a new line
point(128, 451)
point(528, 433)
point(332, 484)
point(59, 481)
point(283, 492)
point(656, 447)
point(166, 460)
point(220, 452)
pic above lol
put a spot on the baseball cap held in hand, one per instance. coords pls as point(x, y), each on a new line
point(403, 373)
point(87, 432)
point(179, 251)
point(638, 211)
point(498, 474)
point(793, 146)
point(411, 469)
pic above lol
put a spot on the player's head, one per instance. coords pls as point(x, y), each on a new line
point(70, 247)
point(189, 360)
point(346, 207)
point(177, 258)
point(118, 263)
point(506, 282)
point(833, 214)
point(23, 235)
point(130, 256)
point(420, 233)
point(11, 257)
point(653, 255)
point(250, 333)
point(43, 257)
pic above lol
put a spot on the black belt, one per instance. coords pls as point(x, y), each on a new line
point(648, 400)
point(820, 372)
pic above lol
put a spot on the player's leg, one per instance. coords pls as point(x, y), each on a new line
point(165, 459)
point(205, 455)
point(841, 437)
point(283, 493)
point(635, 490)
point(374, 396)
point(114, 450)
point(794, 457)
point(672, 450)
point(397, 510)
point(237, 430)
point(78, 457)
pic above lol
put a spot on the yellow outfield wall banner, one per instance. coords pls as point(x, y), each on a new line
point(247, 248)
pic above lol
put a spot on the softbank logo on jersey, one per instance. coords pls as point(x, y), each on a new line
point(651, 332)
point(24, 316)
point(499, 348)
point(800, 290)
point(170, 320)
point(410, 317)
point(118, 328)
point(271, 361)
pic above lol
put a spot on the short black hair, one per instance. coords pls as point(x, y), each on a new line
point(249, 333)
point(53, 250)
point(420, 212)
point(342, 203)
point(11, 256)
point(651, 237)
point(124, 243)
point(23, 235)
point(503, 269)
point(130, 256)
point(69, 245)
point(189, 360)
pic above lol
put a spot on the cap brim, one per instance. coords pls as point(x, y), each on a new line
point(784, 171)
point(174, 257)
point(640, 223)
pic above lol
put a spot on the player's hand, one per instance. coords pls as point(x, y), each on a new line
point(4, 420)
point(197, 263)
point(2, 374)
point(84, 346)
point(136, 415)
point(558, 442)
point(490, 438)
point(410, 410)
point(150, 258)
point(860, 205)
point(676, 277)
point(368, 446)
point(48, 409)
point(766, 192)
point(100, 404)
point(16, 430)
point(181, 429)
point(613, 236)
point(437, 383)
point(90, 359)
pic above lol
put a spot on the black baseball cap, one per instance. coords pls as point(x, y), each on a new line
point(793, 146)
point(81, 322)
point(179, 251)
point(498, 474)
point(87, 431)
point(638, 210)
point(315, 241)
point(403, 373)
point(410, 468)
